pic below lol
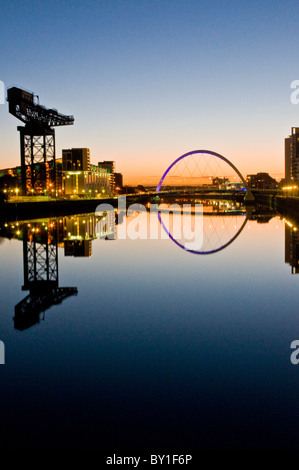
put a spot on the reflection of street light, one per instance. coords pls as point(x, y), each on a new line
point(291, 191)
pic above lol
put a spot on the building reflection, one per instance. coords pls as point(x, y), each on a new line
point(78, 233)
point(41, 240)
point(80, 230)
point(292, 245)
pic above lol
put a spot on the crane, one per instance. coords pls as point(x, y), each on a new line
point(37, 139)
point(25, 106)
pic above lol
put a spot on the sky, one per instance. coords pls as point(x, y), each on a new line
point(149, 80)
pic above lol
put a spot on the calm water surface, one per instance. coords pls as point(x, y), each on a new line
point(160, 350)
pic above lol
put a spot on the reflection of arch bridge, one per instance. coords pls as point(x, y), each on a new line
point(183, 169)
point(219, 229)
point(204, 251)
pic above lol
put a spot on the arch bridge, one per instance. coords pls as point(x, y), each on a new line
point(192, 189)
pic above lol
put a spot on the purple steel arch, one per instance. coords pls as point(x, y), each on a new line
point(209, 252)
point(202, 151)
point(238, 173)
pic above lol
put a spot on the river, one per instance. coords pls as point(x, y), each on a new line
point(142, 345)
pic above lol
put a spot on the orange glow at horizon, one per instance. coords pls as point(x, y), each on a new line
point(148, 166)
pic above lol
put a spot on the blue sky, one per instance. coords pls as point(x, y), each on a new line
point(150, 80)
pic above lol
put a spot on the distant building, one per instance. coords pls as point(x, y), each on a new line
point(282, 182)
point(218, 181)
point(87, 183)
point(59, 177)
point(10, 180)
point(292, 156)
point(77, 159)
point(118, 182)
point(9, 183)
point(261, 181)
point(109, 165)
point(15, 172)
point(81, 178)
point(74, 175)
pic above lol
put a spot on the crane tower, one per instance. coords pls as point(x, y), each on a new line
point(37, 139)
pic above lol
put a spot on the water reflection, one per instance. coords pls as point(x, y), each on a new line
point(41, 239)
point(40, 263)
point(292, 244)
point(80, 230)
point(221, 221)
point(224, 221)
point(139, 342)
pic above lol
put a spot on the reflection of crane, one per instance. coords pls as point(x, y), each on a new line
point(27, 312)
point(40, 257)
point(37, 140)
